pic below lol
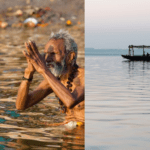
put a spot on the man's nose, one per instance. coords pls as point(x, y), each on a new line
point(48, 58)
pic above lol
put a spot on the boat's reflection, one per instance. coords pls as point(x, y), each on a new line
point(136, 67)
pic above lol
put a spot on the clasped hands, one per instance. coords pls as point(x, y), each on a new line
point(34, 58)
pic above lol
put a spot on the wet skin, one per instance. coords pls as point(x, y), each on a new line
point(54, 52)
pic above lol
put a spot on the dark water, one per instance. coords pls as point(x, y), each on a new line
point(25, 129)
point(117, 103)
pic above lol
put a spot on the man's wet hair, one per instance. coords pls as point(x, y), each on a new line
point(69, 41)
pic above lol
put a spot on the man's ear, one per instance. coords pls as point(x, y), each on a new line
point(70, 57)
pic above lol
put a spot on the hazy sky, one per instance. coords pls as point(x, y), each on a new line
point(117, 23)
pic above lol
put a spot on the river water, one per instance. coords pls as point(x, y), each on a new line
point(117, 103)
point(26, 129)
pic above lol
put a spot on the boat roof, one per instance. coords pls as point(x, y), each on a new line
point(138, 46)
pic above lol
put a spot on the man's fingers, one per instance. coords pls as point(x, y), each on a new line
point(35, 45)
point(29, 58)
point(28, 47)
point(26, 55)
point(34, 48)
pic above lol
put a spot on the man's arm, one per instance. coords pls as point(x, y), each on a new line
point(58, 88)
point(24, 99)
point(79, 91)
point(69, 99)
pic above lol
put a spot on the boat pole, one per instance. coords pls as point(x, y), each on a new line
point(143, 51)
point(132, 51)
point(129, 51)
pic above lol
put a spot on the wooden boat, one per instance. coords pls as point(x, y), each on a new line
point(137, 57)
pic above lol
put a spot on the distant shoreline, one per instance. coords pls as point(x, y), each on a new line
point(111, 52)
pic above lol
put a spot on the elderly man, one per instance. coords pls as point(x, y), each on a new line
point(61, 76)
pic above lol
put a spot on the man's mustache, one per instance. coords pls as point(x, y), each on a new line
point(53, 64)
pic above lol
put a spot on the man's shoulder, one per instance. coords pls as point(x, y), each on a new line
point(81, 71)
point(80, 75)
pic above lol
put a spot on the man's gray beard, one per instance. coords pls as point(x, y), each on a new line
point(57, 69)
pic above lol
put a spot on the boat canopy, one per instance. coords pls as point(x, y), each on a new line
point(139, 46)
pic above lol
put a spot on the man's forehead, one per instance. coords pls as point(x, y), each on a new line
point(56, 42)
point(55, 45)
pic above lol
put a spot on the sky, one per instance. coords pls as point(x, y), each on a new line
point(116, 24)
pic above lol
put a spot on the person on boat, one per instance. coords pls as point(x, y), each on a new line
point(147, 54)
point(61, 75)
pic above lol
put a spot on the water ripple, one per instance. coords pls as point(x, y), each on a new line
point(117, 103)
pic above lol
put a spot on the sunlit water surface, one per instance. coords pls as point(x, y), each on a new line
point(25, 129)
point(117, 104)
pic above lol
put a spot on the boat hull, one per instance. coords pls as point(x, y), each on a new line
point(137, 58)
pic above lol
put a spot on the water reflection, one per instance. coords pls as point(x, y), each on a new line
point(27, 129)
point(64, 140)
point(117, 103)
point(143, 65)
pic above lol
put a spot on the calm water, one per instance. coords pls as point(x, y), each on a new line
point(117, 104)
point(25, 130)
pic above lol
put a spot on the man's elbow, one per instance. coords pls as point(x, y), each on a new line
point(70, 104)
point(20, 107)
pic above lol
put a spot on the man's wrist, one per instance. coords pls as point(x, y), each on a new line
point(44, 71)
point(28, 74)
point(30, 79)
